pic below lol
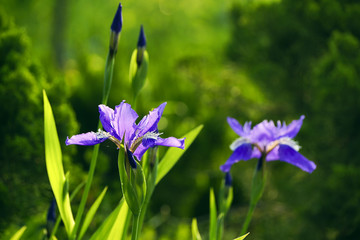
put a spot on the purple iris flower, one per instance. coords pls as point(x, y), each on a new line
point(274, 141)
point(120, 127)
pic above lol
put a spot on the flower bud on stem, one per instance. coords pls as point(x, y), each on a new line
point(116, 27)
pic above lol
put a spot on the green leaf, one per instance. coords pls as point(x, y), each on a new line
point(229, 199)
point(114, 225)
point(91, 213)
point(213, 216)
point(195, 230)
point(55, 168)
point(242, 237)
point(18, 234)
point(58, 219)
point(173, 155)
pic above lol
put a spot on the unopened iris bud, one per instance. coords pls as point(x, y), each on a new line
point(116, 27)
point(51, 218)
point(139, 65)
point(141, 45)
point(228, 179)
point(51, 214)
point(131, 158)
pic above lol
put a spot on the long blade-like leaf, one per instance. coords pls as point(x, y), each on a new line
point(114, 225)
point(213, 217)
point(195, 230)
point(173, 154)
point(55, 168)
point(18, 234)
point(91, 213)
point(242, 237)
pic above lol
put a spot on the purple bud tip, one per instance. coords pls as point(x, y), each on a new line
point(51, 214)
point(142, 39)
point(117, 22)
point(228, 179)
point(131, 159)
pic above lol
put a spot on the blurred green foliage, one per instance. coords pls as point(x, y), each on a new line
point(251, 60)
point(24, 187)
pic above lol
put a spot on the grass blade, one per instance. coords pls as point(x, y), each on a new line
point(195, 230)
point(18, 234)
point(213, 217)
point(114, 225)
point(173, 155)
point(55, 168)
point(91, 213)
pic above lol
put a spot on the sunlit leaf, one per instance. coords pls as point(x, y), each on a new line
point(55, 168)
point(91, 213)
point(18, 234)
point(195, 230)
point(242, 237)
point(114, 225)
point(213, 216)
point(172, 155)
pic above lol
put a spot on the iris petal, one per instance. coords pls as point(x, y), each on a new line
point(290, 155)
point(89, 138)
point(124, 121)
point(149, 122)
point(106, 115)
point(243, 152)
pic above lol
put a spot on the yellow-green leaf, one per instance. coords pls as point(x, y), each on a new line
point(242, 237)
point(173, 155)
point(91, 213)
point(213, 216)
point(114, 225)
point(195, 230)
point(55, 168)
point(18, 234)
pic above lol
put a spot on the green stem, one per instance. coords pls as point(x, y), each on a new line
point(257, 189)
point(109, 69)
point(86, 190)
point(248, 219)
point(135, 228)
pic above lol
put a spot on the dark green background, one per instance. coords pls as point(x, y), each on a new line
point(251, 60)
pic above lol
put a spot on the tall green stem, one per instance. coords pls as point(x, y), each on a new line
point(109, 68)
point(135, 228)
point(86, 190)
point(257, 190)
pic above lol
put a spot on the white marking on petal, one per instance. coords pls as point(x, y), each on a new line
point(152, 135)
point(102, 134)
point(288, 141)
point(238, 142)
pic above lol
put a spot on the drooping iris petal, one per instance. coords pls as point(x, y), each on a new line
point(290, 155)
point(89, 138)
point(149, 122)
point(106, 115)
point(171, 142)
point(243, 152)
point(124, 121)
point(168, 142)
